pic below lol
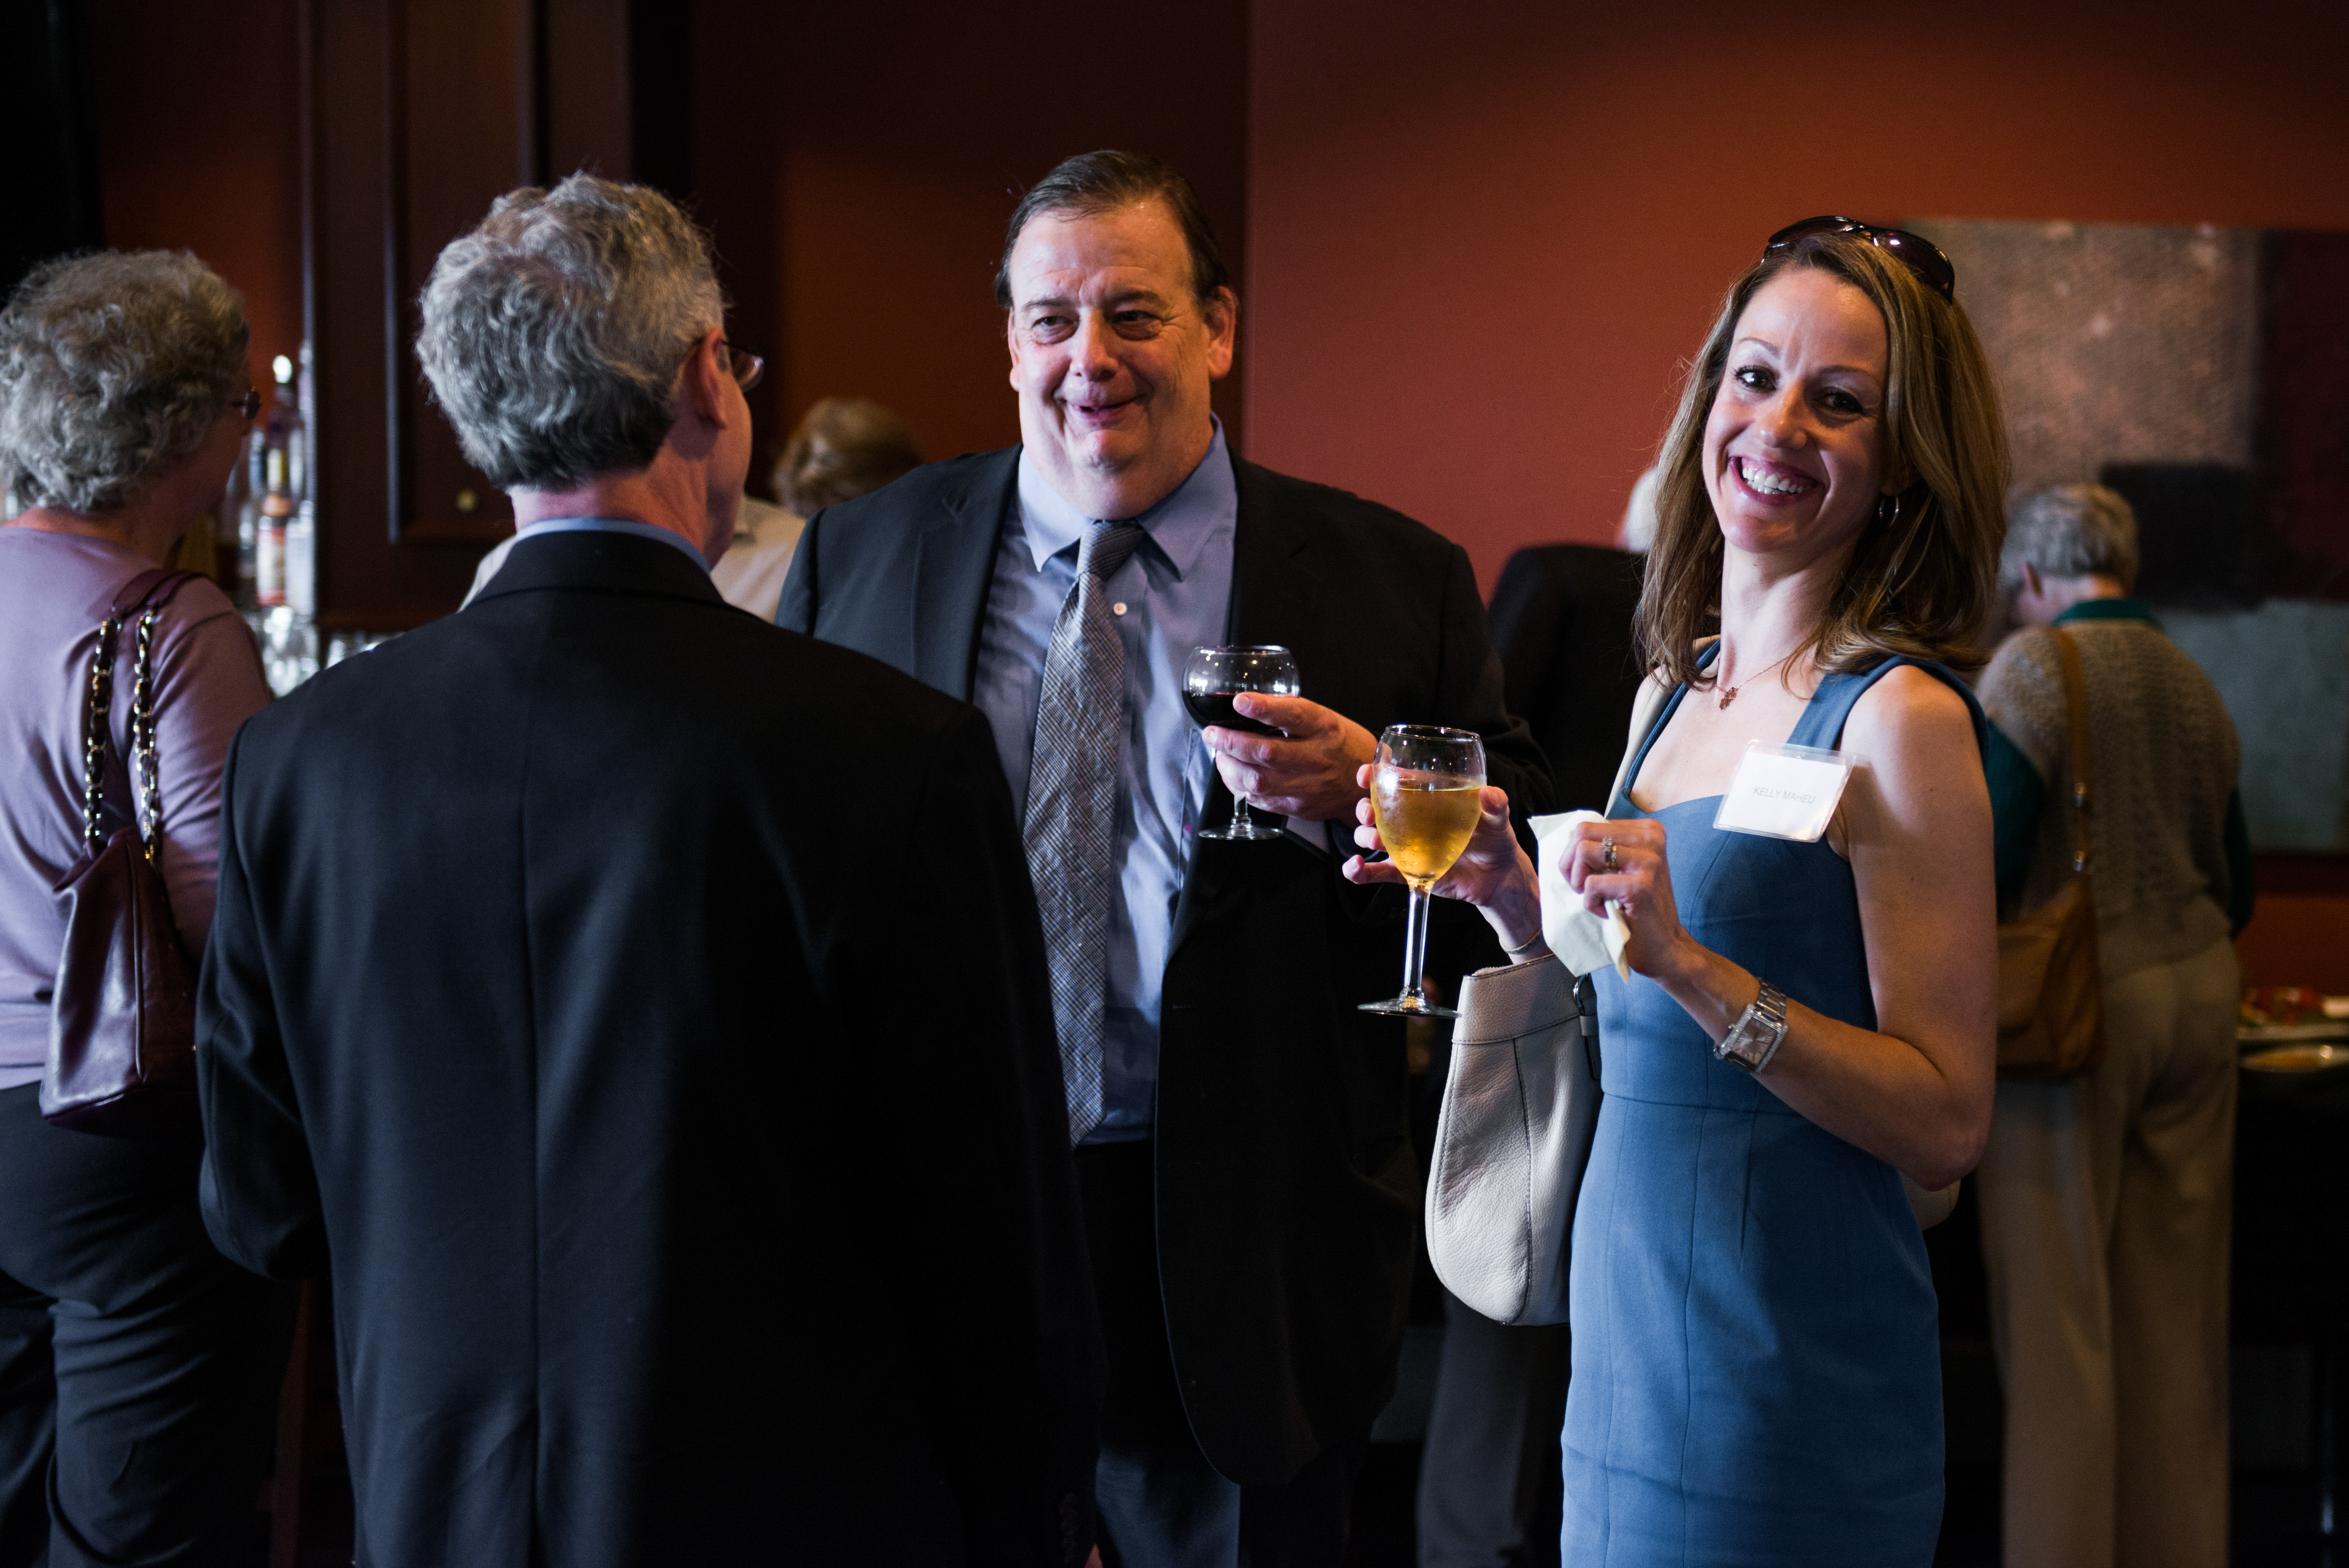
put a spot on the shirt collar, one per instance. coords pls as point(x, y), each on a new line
point(1180, 526)
point(613, 525)
point(2127, 607)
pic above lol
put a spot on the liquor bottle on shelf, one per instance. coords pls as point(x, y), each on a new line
point(230, 550)
point(269, 551)
point(302, 529)
point(246, 490)
point(285, 479)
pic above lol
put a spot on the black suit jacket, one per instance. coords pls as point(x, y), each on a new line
point(1562, 623)
point(1287, 1187)
point(691, 1193)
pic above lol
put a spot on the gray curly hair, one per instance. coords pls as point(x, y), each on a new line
point(2070, 531)
point(113, 367)
point(554, 334)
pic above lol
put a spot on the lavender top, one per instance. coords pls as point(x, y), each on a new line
point(55, 589)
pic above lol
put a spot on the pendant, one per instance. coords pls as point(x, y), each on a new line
point(1728, 696)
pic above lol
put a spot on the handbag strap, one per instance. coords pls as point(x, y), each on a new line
point(2075, 700)
point(143, 596)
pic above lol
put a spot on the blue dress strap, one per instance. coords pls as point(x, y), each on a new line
point(1822, 722)
point(1663, 717)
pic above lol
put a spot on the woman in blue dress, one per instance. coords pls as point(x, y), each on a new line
point(1756, 1363)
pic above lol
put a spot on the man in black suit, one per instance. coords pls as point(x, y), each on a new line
point(1245, 1161)
point(695, 1189)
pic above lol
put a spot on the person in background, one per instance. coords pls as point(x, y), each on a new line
point(692, 1191)
point(1756, 1373)
point(843, 448)
point(140, 1367)
point(1245, 1156)
point(2106, 1198)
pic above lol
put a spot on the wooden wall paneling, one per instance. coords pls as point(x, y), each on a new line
point(463, 101)
point(587, 113)
point(417, 115)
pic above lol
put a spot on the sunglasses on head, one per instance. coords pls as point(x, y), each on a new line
point(1922, 255)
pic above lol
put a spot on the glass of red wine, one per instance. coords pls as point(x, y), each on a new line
point(1211, 679)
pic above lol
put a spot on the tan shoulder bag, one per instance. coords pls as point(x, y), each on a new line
point(2051, 1014)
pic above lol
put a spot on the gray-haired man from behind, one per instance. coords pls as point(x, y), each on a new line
point(557, 1005)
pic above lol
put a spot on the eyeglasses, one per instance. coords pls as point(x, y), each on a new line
point(748, 368)
point(1922, 255)
point(247, 406)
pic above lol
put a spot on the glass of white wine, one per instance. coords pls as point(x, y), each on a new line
point(1424, 797)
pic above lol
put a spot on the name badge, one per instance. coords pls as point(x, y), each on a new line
point(1784, 792)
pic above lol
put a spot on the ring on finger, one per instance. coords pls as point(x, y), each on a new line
point(1607, 852)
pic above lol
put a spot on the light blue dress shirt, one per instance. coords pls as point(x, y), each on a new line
point(1172, 596)
point(613, 525)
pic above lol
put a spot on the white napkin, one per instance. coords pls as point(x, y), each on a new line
point(1581, 940)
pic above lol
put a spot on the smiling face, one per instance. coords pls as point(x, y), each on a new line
point(1113, 355)
point(1793, 448)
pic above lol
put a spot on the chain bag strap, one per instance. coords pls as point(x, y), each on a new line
point(122, 1018)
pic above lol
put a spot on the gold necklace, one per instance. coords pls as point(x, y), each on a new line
point(1729, 693)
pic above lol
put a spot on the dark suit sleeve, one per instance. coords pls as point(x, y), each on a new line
point(1532, 610)
point(259, 1189)
point(997, 1252)
point(1469, 694)
point(796, 611)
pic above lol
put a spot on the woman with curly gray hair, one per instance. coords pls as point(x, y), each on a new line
point(140, 1367)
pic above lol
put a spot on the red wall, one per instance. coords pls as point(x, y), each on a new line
point(1482, 238)
point(199, 146)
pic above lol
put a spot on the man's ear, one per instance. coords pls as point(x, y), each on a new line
point(1011, 341)
point(2033, 583)
point(1220, 311)
point(705, 375)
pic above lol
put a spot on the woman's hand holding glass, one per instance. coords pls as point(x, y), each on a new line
point(1498, 879)
point(1494, 874)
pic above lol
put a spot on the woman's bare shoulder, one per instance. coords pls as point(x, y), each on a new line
point(1914, 729)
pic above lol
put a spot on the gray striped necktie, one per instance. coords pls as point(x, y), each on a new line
point(1071, 828)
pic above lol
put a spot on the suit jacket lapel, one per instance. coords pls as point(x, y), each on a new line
point(1274, 584)
point(954, 561)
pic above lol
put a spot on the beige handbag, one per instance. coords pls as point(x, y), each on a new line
point(2051, 1014)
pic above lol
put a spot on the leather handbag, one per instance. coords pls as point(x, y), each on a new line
point(122, 1020)
point(1511, 1139)
point(2051, 1014)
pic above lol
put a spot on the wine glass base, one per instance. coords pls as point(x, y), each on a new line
point(1244, 830)
point(1409, 1007)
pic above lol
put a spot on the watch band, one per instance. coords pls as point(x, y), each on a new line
point(1756, 1035)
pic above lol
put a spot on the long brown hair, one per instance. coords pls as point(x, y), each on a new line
point(1921, 576)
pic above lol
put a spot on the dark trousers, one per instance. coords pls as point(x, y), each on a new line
point(1162, 1504)
point(1490, 1480)
point(139, 1368)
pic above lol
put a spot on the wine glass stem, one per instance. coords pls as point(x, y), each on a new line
point(1241, 823)
point(1414, 944)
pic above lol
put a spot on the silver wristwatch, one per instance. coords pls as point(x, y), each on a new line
point(1756, 1035)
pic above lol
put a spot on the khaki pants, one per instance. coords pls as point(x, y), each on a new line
point(2106, 1204)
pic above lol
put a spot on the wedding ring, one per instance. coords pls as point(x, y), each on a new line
point(1607, 852)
